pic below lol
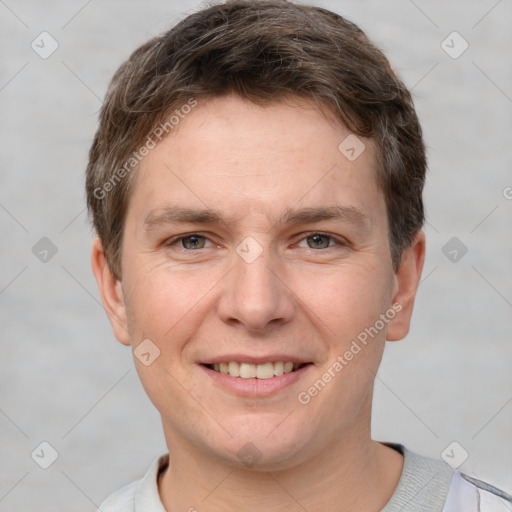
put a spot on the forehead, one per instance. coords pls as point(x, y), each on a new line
point(230, 152)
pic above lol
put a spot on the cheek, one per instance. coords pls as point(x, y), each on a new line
point(345, 307)
point(167, 304)
point(166, 307)
point(345, 301)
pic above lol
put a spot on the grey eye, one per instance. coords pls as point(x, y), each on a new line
point(318, 241)
point(193, 242)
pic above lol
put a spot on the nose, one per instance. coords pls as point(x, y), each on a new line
point(256, 295)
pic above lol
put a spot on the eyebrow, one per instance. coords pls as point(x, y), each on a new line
point(348, 214)
point(177, 214)
point(310, 215)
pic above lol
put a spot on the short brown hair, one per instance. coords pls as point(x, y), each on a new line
point(263, 51)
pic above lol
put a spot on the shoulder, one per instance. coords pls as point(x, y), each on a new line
point(423, 485)
point(139, 495)
point(122, 500)
point(487, 497)
point(428, 485)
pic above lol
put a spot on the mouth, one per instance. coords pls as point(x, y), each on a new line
point(263, 371)
point(256, 377)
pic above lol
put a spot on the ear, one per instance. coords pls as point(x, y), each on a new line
point(407, 280)
point(111, 292)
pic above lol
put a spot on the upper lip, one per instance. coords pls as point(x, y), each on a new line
point(244, 358)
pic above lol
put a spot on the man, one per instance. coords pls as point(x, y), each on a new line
point(256, 187)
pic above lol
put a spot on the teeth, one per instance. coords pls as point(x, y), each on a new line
point(234, 369)
point(247, 371)
point(278, 368)
point(259, 371)
point(265, 371)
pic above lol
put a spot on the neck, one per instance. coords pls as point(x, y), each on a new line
point(352, 474)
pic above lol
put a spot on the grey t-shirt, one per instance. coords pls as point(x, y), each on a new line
point(426, 485)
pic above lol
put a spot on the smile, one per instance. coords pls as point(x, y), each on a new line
point(255, 371)
point(256, 379)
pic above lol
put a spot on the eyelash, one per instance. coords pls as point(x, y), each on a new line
point(332, 238)
point(305, 236)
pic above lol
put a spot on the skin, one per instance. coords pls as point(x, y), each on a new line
point(304, 295)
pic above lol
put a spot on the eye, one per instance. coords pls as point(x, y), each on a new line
point(320, 241)
point(193, 242)
point(190, 242)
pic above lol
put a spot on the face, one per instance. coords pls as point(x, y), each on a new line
point(256, 267)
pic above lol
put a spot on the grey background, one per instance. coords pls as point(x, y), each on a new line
point(64, 378)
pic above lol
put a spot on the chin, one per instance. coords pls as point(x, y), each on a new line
point(266, 445)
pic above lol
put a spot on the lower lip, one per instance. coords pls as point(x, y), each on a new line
point(256, 387)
